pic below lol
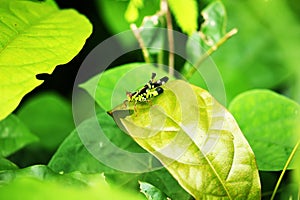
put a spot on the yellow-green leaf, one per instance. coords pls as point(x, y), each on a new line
point(186, 14)
point(35, 37)
point(197, 140)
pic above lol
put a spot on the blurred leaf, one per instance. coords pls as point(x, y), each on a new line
point(132, 11)
point(268, 121)
point(187, 20)
point(43, 172)
point(49, 185)
point(14, 135)
point(109, 88)
point(197, 140)
point(153, 35)
point(113, 14)
point(34, 42)
point(214, 25)
point(6, 164)
point(151, 192)
point(74, 156)
point(49, 116)
point(262, 54)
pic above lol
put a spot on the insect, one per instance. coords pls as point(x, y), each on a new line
point(150, 89)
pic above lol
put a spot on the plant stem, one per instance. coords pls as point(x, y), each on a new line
point(165, 7)
point(209, 52)
point(284, 169)
point(140, 40)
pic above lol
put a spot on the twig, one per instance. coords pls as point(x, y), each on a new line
point(165, 8)
point(284, 169)
point(210, 51)
point(140, 40)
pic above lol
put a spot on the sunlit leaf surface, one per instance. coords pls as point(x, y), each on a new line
point(197, 140)
point(35, 37)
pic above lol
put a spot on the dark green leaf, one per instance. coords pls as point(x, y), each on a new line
point(74, 156)
point(151, 192)
point(269, 122)
point(35, 38)
point(14, 135)
point(197, 140)
point(49, 116)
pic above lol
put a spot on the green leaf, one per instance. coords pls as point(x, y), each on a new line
point(109, 88)
point(43, 172)
point(34, 42)
point(197, 140)
point(48, 185)
point(74, 156)
point(214, 25)
point(6, 164)
point(132, 11)
point(151, 192)
point(187, 20)
point(14, 135)
point(49, 116)
point(269, 122)
point(213, 29)
point(262, 54)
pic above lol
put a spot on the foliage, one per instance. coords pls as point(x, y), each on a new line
point(32, 43)
point(192, 146)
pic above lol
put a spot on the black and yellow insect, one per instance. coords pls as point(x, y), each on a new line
point(151, 89)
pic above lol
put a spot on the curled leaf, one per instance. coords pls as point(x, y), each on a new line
point(197, 140)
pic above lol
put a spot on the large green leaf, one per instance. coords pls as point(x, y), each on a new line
point(49, 185)
point(14, 135)
point(197, 140)
point(49, 116)
point(35, 37)
point(187, 20)
point(74, 156)
point(269, 122)
point(109, 88)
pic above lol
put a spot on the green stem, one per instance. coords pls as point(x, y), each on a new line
point(165, 8)
point(284, 170)
point(209, 52)
point(140, 40)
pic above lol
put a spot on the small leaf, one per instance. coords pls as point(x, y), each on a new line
point(132, 11)
point(186, 20)
point(49, 116)
point(151, 192)
point(34, 42)
point(197, 140)
point(14, 135)
point(214, 25)
point(269, 122)
point(109, 88)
